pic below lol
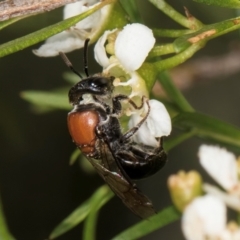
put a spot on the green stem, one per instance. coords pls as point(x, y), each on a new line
point(161, 50)
point(208, 127)
point(172, 33)
point(179, 58)
point(171, 143)
point(190, 23)
point(225, 26)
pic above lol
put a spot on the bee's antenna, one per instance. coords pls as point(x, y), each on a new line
point(69, 64)
point(85, 57)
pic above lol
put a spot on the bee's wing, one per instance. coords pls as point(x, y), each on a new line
point(131, 196)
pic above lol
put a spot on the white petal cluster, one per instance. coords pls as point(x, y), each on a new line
point(220, 164)
point(74, 37)
point(131, 47)
point(158, 124)
point(229, 234)
point(204, 218)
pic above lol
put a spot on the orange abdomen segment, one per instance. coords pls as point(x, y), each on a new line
point(82, 126)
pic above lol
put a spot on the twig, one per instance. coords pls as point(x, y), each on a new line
point(19, 8)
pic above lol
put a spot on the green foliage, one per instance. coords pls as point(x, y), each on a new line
point(89, 209)
point(166, 216)
point(40, 35)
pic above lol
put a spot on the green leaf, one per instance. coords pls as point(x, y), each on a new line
point(47, 100)
point(40, 35)
point(149, 225)
point(173, 92)
point(131, 8)
point(4, 232)
point(170, 143)
point(117, 18)
point(221, 3)
point(74, 156)
point(89, 230)
point(208, 127)
point(72, 220)
point(103, 194)
point(6, 23)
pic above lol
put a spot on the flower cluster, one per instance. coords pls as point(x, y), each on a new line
point(121, 52)
point(205, 217)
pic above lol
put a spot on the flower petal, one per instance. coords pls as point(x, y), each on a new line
point(158, 124)
point(231, 234)
point(133, 44)
point(142, 135)
point(159, 121)
point(100, 52)
point(204, 216)
point(74, 37)
point(65, 41)
point(76, 8)
point(231, 200)
point(220, 164)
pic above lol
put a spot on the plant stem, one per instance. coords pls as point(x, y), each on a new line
point(191, 23)
point(172, 142)
point(179, 58)
point(161, 50)
point(171, 33)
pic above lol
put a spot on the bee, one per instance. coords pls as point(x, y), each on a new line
point(95, 129)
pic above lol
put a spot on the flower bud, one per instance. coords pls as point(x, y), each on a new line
point(184, 187)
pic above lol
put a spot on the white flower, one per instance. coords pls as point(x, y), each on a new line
point(74, 37)
point(231, 200)
point(204, 218)
point(231, 233)
point(158, 124)
point(100, 51)
point(131, 48)
point(220, 164)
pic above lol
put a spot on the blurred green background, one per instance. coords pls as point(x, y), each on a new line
point(38, 187)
